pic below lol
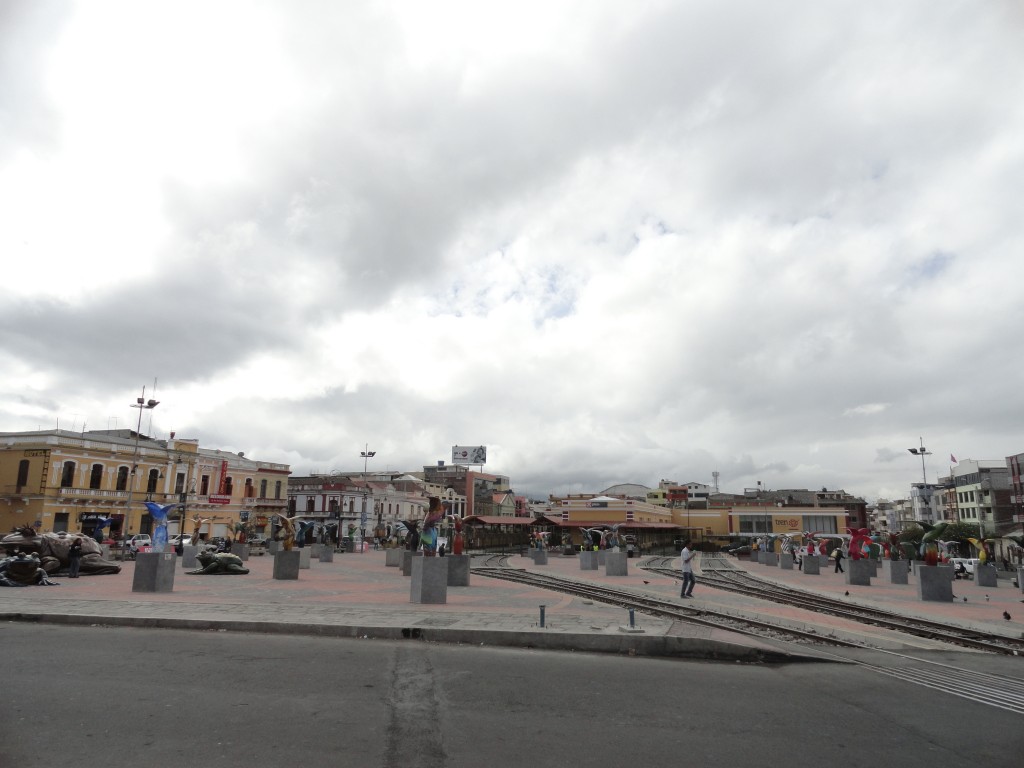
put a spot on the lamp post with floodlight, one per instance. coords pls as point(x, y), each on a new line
point(143, 405)
point(922, 453)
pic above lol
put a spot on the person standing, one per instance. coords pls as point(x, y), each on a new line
point(686, 564)
point(839, 560)
point(74, 558)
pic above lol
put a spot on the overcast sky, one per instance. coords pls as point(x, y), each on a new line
point(613, 242)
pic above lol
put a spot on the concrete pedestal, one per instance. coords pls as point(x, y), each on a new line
point(393, 558)
point(602, 555)
point(859, 572)
point(616, 564)
point(242, 550)
point(286, 565)
point(772, 559)
point(812, 566)
point(588, 560)
point(305, 555)
point(760, 556)
point(896, 571)
point(273, 547)
point(154, 572)
point(935, 583)
point(406, 562)
point(458, 570)
point(540, 557)
point(786, 561)
point(429, 580)
point(326, 553)
point(985, 575)
point(188, 557)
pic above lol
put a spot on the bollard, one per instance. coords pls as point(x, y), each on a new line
point(632, 618)
point(542, 615)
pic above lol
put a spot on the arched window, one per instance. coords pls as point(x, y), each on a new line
point(229, 485)
point(96, 476)
point(122, 478)
point(249, 492)
point(154, 478)
point(67, 476)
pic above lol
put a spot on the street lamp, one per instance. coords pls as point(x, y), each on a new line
point(367, 455)
point(922, 453)
point(143, 405)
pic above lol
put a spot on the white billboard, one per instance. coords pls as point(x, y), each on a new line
point(469, 454)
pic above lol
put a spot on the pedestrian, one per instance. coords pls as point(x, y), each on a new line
point(74, 558)
point(839, 560)
point(685, 558)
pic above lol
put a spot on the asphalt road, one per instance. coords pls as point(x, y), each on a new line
point(94, 696)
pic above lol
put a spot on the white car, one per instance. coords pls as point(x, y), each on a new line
point(964, 564)
point(138, 540)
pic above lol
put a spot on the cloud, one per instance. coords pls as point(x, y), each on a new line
point(623, 247)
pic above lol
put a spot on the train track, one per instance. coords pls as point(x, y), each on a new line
point(1002, 692)
point(719, 573)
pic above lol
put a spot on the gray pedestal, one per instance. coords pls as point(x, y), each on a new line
point(985, 575)
point(588, 560)
point(406, 562)
point(188, 556)
point(286, 565)
point(616, 564)
point(859, 572)
point(812, 566)
point(242, 550)
point(540, 557)
point(305, 555)
point(326, 553)
point(393, 558)
point(429, 580)
point(935, 583)
point(786, 561)
point(874, 566)
point(896, 571)
point(458, 570)
point(273, 547)
point(154, 572)
point(602, 555)
point(314, 550)
point(760, 556)
point(1020, 578)
point(772, 559)
point(823, 561)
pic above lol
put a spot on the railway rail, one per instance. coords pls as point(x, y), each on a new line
point(998, 691)
point(719, 573)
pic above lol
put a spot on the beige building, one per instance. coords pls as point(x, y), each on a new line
point(57, 480)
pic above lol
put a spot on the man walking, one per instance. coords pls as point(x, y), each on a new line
point(839, 560)
point(685, 558)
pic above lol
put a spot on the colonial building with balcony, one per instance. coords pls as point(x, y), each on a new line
point(56, 480)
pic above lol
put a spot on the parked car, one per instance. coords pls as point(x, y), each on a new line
point(964, 566)
point(742, 549)
point(185, 540)
point(136, 542)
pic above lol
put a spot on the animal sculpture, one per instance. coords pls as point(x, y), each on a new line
point(159, 514)
point(52, 549)
point(23, 570)
point(218, 564)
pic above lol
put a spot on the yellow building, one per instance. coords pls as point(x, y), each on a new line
point(69, 481)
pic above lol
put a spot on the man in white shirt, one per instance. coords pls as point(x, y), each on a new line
point(685, 558)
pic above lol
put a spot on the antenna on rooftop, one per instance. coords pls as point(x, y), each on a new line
point(714, 479)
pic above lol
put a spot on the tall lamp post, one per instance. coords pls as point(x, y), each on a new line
point(367, 455)
point(143, 405)
point(922, 453)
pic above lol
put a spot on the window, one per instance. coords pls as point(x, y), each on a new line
point(310, 504)
point(277, 490)
point(22, 474)
point(67, 475)
point(96, 476)
point(229, 485)
point(179, 483)
point(204, 486)
point(122, 478)
point(154, 478)
point(263, 489)
point(249, 490)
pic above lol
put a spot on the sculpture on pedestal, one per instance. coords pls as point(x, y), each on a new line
point(428, 536)
point(159, 514)
point(287, 533)
point(197, 525)
point(304, 528)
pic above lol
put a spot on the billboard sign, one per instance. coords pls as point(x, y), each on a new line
point(469, 454)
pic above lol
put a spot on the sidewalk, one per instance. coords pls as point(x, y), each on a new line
point(358, 596)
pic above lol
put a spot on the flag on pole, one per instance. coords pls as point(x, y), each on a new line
point(952, 458)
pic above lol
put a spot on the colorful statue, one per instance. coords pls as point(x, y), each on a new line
point(287, 532)
point(458, 544)
point(159, 514)
point(428, 536)
point(304, 528)
point(197, 525)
